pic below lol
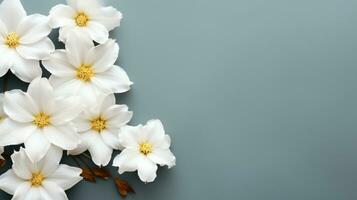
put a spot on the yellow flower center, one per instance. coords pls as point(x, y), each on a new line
point(85, 73)
point(82, 19)
point(145, 148)
point(98, 124)
point(12, 40)
point(41, 120)
point(37, 179)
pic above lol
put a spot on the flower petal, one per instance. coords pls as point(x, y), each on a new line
point(65, 86)
point(24, 192)
point(114, 80)
point(62, 136)
point(118, 116)
point(163, 157)
point(128, 136)
point(53, 191)
point(37, 146)
point(19, 106)
point(97, 32)
point(68, 31)
point(11, 13)
point(22, 165)
point(156, 132)
point(107, 101)
point(9, 182)
point(89, 93)
point(100, 152)
point(42, 93)
point(110, 138)
point(29, 193)
point(6, 59)
point(85, 5)
point(25, 69)
point(66, 176)
point(33, 28)
point(103, 56)
point(50, 162)
point(57, 64)
point(62, 15)
point(13, 133)
point(3, 30)
point(127, 161)
point(82, 147)
point(82, 124)
point(155, 126)
point(147, 170)
point(77, 48)
point(109, 17)
point(43, 194)
point(3, 69)
point(36, 51)
point(66, 110)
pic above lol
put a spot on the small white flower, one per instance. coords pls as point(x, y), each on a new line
point(86, 17)
point(98, 127)
point(87, 70)
point(144, 148)
point(45, 179)
point(23, 41)
point(38, 118)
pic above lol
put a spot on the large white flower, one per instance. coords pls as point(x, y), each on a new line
point(144, 148)
point(38, 118)
point(98, 127)
point(86, 17)
point(45, 179)
point(23, 41)
point(87, 70)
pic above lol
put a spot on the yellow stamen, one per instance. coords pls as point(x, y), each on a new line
point(12, 40)
point(85, 73)
point(37, 179)
point(82, 19)
point(98, 124)
point(41, 120)
point(145, 148)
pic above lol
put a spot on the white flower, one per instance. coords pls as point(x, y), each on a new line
point(23, 41)
point(45, 179)
point(99, 126)
point(145, 147)
point(87, 70)
point(86, 17)
point(38, 118)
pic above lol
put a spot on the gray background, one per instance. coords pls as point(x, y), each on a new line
point(259, 96)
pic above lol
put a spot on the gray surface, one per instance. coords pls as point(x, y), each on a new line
point(258, 96)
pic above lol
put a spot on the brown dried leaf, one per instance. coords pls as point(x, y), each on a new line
point(88, 175)
point(2, 162)
point(101, 173)
point(123, 187)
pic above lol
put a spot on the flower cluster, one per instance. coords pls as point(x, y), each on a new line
point(75, 109)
